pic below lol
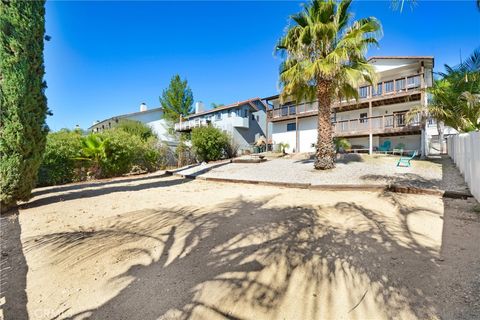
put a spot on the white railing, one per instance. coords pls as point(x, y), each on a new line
point(190, 124)
point(239, 122)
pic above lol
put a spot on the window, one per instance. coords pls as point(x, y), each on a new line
point(379, 90)
point(292, 109)
point(258, 118)
point(389, 86)
point(245, 113)
point(284, 111)
point(291, 126)
point(230, 114)
point(218, 116)
point(400, 84)
point(363, 117)
point(413, 82)
point(363, 92)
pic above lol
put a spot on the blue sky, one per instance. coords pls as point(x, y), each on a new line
point(105, 58)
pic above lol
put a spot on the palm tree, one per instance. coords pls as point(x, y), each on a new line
point(439, 108)
point(324, 58)
point(455, 98)
point(94, 149)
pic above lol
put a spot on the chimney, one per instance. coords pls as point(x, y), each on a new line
point(199, 107)
point(143, 107)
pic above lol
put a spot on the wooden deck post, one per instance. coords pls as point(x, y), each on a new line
point(370, 133)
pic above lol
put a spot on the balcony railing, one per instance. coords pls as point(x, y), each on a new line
point(384, 89)
point(190, 124)
point(377, 124)
point(291, 110)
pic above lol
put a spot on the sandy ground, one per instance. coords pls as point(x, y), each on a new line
point(156, 247)
point(351, 169)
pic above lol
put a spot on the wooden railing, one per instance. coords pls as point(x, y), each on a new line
point(396, 121)
point(384, 89)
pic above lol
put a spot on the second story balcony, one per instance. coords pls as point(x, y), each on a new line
point(232, 120)
point(188, 125)
point(386, 92)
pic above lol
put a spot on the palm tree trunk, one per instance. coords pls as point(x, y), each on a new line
point(325, 154)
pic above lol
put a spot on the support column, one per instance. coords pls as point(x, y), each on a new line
point(370, 143)
point(370, 134)
point(296, 135)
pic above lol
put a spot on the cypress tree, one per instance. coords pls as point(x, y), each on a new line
point(23, 105)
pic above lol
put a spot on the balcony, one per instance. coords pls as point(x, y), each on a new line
point(188, 125)
point(385, 124)
point(386, 92)
point(239, 122)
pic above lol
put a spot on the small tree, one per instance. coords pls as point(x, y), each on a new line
point(176, 100)
point(209, 143)
point(22, 99)
point(216, 105)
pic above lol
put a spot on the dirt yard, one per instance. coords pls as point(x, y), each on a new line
point(157, 247)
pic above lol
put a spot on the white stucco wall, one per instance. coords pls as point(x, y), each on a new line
point(281, 135)
point(307, 134)
point(464, 149)
point(411, 142)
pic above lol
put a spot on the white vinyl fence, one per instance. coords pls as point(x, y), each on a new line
point(464, 149)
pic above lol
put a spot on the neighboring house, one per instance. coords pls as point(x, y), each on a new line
point(245, 121)
point(153, 118)
point(377, 116)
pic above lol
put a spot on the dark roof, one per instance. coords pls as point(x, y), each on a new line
point(275, 96)
point(404, 57)
point(127, 115)
point(230, 106)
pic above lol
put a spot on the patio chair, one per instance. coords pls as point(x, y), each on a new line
point(385, 147)
point(399, 148)
point(405, 161)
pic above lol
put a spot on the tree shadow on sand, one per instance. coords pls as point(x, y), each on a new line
point(246, 260)
point(13, 269)
point(84, 191)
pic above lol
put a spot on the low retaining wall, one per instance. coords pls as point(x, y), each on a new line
point(333, 187)
point(464, 149)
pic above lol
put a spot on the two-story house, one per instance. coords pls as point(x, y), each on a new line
point(376, 117)
point(244, 121)
point(151, 117)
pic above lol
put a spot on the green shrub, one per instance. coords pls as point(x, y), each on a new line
point(72, 157)
point(58, 163)
point(341, 144)
point(136, 128)
point(209, 143)
point(124, 151)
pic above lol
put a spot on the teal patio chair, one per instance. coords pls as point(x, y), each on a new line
point(405, 161)
point(385, 146)
point(399, 148)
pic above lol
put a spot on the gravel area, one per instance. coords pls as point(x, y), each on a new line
point(351, 169)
